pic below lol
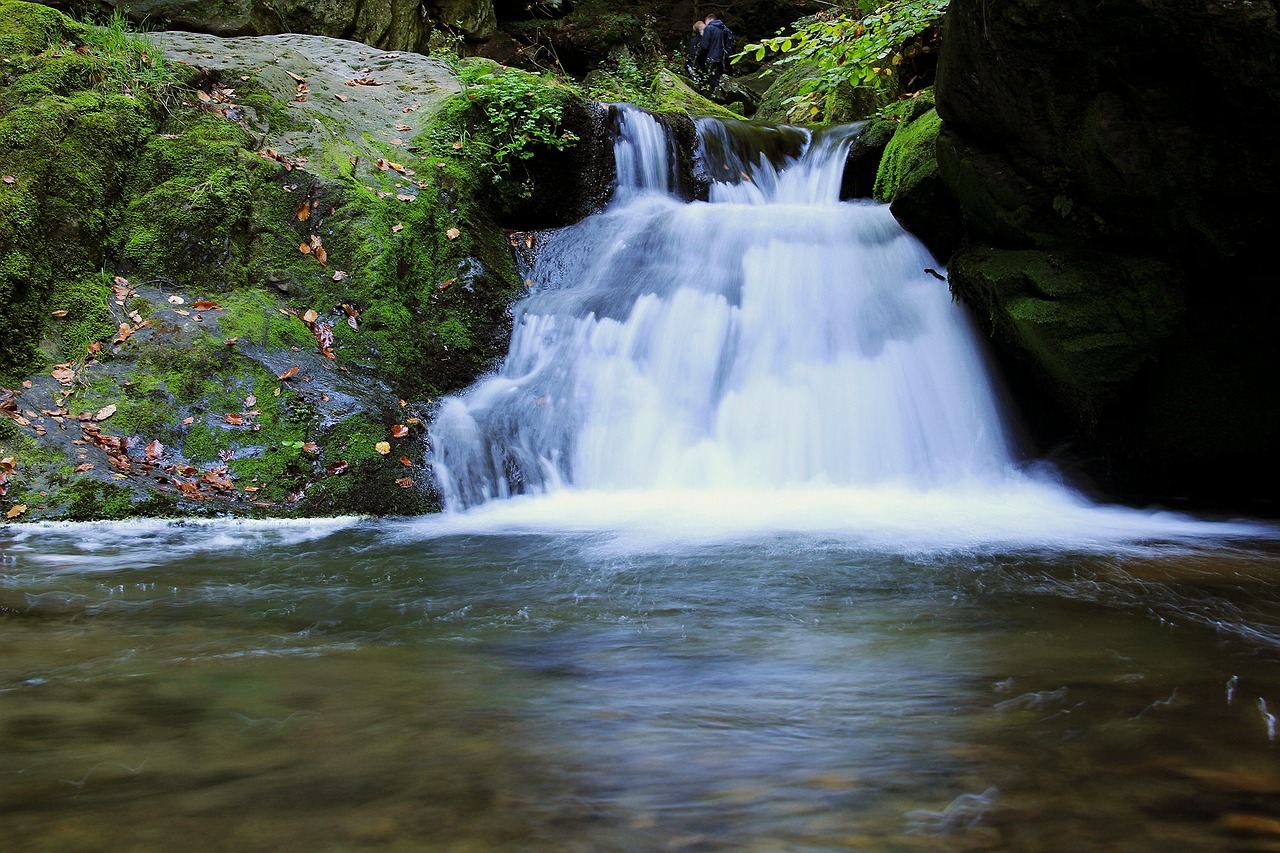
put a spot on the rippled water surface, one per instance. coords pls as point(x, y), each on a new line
point(361, 685)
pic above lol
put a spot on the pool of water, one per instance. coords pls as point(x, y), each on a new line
point(351, 685)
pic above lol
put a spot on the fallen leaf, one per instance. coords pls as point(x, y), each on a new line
point(404, 482)
point(397, 228)
point(457, 146)
point(10, 179)
point(304, 211)
point(206, 305)
point(80, 469)
point(309, 316)
point(311, 447)
point(105, 412)
point(26, 383)
point(288, 374)
point(399, 431)
point(453, 233)
point(176, 300)
point(295, 76)
point(16, 510)
point(383, 447)
point(155, 449)
point(339, 275)
point(342, 98)
point(395, 142)
point(234, 419)
point(406, 461)
point(230, 342)
point(58, 313)
point(442, 285)
point(188, 421)
point(403, 197)
point(322, 256)
point(250, 401)
point(403, 127)
point(337, 468)
point(305, 248)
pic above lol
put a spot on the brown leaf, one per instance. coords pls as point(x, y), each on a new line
point(457, 146)
point(342, 98)
point(58, 313)
point(397, 228)
point(207, 305)
point(406, 461)
point(337, 468)
point(305, 248)
point(403, 127)
point(10, 179)
point(395, 142)
point(288, 374)
point(405, 482)
point(310, 316)
point(250, 401)
point(442, 285)
point(399, 431)
point(155, 450)
point(188, 421)
point(16, 510)
point(304, 211)
point(322, 256)
point(80, 469)
point(234, 419)
point(403, 197)
point(105, 412)
point(340, 275)
point(453, 233)
point(295, 76)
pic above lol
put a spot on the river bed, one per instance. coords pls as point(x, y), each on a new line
point(359, 684)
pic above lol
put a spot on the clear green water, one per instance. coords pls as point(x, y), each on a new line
point(366, 686)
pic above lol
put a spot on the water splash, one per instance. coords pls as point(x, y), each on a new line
point(773, 354)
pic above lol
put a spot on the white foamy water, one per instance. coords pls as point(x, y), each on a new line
point(775, 359)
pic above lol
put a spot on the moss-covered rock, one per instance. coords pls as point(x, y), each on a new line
point(242, 291)
point(1071, 133)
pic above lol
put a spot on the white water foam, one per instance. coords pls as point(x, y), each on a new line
point(775, 360)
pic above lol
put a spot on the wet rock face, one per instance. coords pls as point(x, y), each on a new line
point(385, 24)
point(1138, 136)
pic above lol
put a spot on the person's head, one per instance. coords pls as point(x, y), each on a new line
point(699, 26)
point(711, 16)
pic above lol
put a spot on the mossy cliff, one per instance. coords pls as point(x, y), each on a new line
point(237, 285)
point(1104, 175)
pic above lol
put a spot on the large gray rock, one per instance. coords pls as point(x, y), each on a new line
point(1126, 136)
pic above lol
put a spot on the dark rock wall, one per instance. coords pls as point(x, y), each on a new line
point(1116, 168)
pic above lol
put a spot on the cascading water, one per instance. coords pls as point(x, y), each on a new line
point(775, 347)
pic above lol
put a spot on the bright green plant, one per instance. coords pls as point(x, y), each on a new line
point(123, 60)
point(524, 112)
point(848, 49)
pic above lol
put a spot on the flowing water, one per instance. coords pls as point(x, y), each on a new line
point(741, 555)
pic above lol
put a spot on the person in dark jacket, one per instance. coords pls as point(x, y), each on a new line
point(715, 49)
point(694, 65)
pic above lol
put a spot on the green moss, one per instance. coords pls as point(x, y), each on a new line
point(94, 500)
point(27, 28)
point(909, 157)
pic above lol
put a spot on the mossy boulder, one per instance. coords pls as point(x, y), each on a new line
point(242, 290)
point(909, 181)
point(1143, 134)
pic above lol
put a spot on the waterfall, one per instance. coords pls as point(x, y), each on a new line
point(774, 337)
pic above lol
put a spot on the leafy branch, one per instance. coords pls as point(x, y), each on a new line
point(843, 50)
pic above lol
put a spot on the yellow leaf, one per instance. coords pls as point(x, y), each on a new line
point(383, 447)
point(310, 316)
point(16, 510)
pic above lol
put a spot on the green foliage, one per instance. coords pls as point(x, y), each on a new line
point(524, 112)
point(122, 60)
point(847, 50)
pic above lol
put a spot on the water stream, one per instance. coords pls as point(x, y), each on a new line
point(740, 556)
